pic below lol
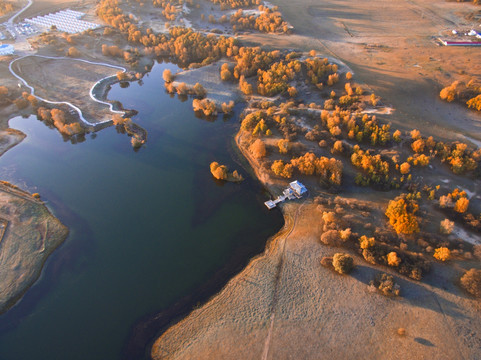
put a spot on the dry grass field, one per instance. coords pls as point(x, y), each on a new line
point(391, 47)
point(285, 305)
point(66, 80)
point(42, 7)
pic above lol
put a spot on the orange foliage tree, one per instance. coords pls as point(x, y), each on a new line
point(401, 213)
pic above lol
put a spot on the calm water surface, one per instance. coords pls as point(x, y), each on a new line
point(147, 227)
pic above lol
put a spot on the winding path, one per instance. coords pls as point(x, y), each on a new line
point(10, 21)
point(65, 102)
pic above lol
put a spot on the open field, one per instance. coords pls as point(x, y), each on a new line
point(286, 303)
point(42, 7)
point(66, 80)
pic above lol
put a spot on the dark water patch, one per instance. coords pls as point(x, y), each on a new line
point(149, 229)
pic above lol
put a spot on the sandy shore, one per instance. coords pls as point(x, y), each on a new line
point(286, 305)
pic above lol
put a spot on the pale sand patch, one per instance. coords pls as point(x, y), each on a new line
point(286, 304)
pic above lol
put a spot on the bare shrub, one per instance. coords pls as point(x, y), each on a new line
point(331, 238)
point(326, 261)
point(386, 285)
point(446, 226)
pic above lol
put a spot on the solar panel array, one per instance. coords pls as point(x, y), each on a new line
point(66, 20)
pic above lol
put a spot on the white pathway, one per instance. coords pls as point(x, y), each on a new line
point(65, 102)
point(10, 21)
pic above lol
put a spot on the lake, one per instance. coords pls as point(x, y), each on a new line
point(149, 228)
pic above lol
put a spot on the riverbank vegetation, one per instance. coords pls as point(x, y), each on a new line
point(307, 117)
point(221, 172)
point(467, 93)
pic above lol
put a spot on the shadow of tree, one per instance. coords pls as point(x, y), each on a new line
point(423, 341)
point(415, 293)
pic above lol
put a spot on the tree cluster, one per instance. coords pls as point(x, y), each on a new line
point(233, 4)
point(267, 21)
point(206, 106)
point(275, 80)
point(58, 119)
point(405, 263)
point(469, 93)
point(329, 170)
point(376, 170)
point(221, 172)
point(319, 70)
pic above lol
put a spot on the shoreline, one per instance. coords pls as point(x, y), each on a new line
point(36, 249)
point(145, 332)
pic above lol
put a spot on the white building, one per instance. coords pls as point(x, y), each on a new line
point(295, 190)
point(298, 188)
point(6, 49)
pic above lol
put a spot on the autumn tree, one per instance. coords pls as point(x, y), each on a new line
point(73, 52)
point(475, 103)
point(337, 147)
point(218, 171)
point(167, 76)
point(182, 89)
point(396, 136)
point(401, 213)
point(449, 93)
point(386, 285)
point(206, 106)
point(199, 90)
point(258, 149)
point(404, 168)
point(292, 91)
point(284, 146)
point(446, 226)
point(122, 75)
point(418, 145)
point(282, 169)
point(461, 205)
point(415, 134)
point(227, 107)
point(245, 87)
point(225, 74)
point(442, 254)
point(393, 259)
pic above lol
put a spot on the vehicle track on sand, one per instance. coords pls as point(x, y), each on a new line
point(277, 278)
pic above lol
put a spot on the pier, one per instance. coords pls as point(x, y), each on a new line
point(295, 191)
